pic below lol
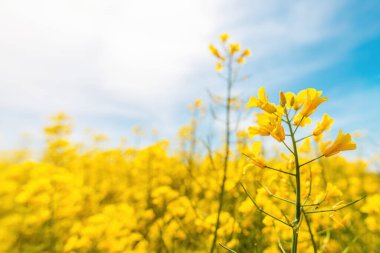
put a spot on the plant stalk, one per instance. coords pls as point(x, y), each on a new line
point(226, 154)
point(297, 219)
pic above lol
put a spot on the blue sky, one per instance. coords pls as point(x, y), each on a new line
point(116, 64)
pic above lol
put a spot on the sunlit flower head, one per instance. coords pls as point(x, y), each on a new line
point(324, 125)
point(278, 132)
point(342, 143)
point(312, 100)
point(262, 102)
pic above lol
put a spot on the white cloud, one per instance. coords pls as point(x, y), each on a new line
point(144, 59)
point(126, 58)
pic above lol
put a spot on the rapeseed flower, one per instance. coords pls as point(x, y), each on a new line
point(312, 99)
point(324, 125)
point(342, 143)
point(261, 102)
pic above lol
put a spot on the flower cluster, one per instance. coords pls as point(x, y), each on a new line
point(294, 111)
point(230, 53)
point(302, 106)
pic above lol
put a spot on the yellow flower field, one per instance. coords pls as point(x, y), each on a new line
point(185, 195)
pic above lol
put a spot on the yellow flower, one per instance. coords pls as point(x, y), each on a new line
point(305, 147)
point(218, 67)
point(255, 157)
point(240, 60)
point(313, 100)
point(246, 53)
point(372, 223)
point(325, 124)
point(261, 102)
point(342, 142)
point(215, 52)
point(256, 148)
point(59, 117)
point(295, 101)
point(278, 132)
point(234, 48)
point(266, 122)
point(255, 161)
point(262, 131)
point(224, 37)
point(242, 56)
point(301, 120)
point(198, 103)
point(299, 99)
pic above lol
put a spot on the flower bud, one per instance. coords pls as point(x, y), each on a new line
point(282, 99)
point(292, 101)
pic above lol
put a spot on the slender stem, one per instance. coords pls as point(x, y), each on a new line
point(291, 151)
point(275, 196)
point(297, 218)
point(285, 172)
point(315, 247)
point(278, 239)
point(298, 125)
point(311, 160)
point(228, 249)
point(304, 138)
point(310, 187)
point(336, 209)
point(209, 152)
point(279, 117)
point(317, 204)
point(285, 216)
point(271, 168)
point(226, 154)
point(260, 209)
point(350, 244)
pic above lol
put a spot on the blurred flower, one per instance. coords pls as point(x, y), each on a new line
point(224, 37)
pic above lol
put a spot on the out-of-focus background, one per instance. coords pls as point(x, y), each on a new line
point(113, 65)
point(114, 134)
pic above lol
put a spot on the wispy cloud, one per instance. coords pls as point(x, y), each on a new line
point(118, 63)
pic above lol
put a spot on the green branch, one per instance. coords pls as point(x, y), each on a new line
point(228, 249)
point(262, 210)
point(336, 209)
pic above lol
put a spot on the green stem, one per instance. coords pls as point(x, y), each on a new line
point(227, 154)
point(297, 218)
point(261, 209)
point(291, 151)
point(336, 209)
point(285, 172)
point(271, 168)
point(293, 133)
point(311, 160)
point(304, 138)
point(315, 247)
point(278, 239)
point(275, 196)
point(226, 248)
